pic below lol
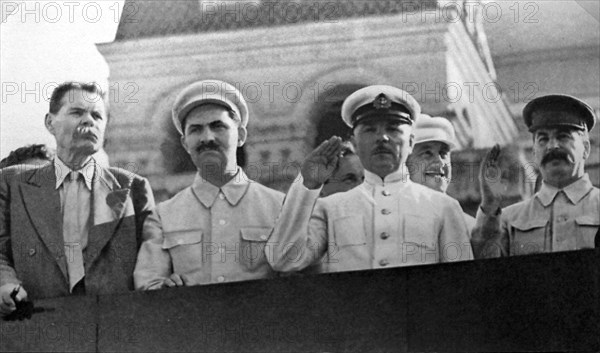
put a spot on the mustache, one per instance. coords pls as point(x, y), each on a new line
point(557, 154)
point(208, 146)
point(382, 149)
point(85, 131)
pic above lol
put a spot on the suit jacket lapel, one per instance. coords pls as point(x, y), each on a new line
point(111, 203)
point(42, 202)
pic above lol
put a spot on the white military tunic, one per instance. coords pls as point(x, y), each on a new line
point(380, 223)
point(208, 234)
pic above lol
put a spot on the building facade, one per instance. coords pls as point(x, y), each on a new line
point(295, 62)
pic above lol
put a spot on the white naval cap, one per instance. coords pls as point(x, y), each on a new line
point(434, 129)
point(380, 102)
point(209, 92)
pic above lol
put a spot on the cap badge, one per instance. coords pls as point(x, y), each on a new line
point(382, 102)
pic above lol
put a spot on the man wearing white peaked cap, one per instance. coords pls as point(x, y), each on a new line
point(215, 230)
point(387, 220)
point(430, 162)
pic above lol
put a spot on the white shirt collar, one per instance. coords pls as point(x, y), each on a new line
point(62, 170)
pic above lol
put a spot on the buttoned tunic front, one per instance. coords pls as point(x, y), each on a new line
point(208, 234)
point(380, 223)
point(552, 220)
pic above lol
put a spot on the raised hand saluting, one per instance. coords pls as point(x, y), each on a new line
point(489, 173)
point(321, 163)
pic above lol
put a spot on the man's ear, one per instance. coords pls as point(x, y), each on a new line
point(411, 144)
point(184, 144)
point(48, 122)
point(242, 134)
point(586, 148)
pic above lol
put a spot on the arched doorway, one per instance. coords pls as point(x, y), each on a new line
point(326, 113)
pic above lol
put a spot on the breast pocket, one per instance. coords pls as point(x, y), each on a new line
point(528, 237)
point(587, 228)
point(419, 244)
point(186, 250)
point(252, 249)
point(349, 231)
point(420, 231)
point(349, 249)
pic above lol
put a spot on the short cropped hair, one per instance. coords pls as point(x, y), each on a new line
point(22, 154)
point(59, 93)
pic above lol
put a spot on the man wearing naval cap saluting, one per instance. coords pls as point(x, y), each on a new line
point(387, 220)
point(565, 213)
point(215, 230)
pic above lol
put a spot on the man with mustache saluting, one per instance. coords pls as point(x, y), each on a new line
point(71, 226)
point(565, 213)
point(386, 221)
point(215, 230)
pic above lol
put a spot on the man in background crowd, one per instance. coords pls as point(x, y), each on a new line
point(36, 155)
point(348, 174)
point(429, 163)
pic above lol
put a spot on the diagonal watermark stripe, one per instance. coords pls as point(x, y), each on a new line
point(591, 7)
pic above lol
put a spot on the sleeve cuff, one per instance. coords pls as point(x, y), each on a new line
point(300, 181)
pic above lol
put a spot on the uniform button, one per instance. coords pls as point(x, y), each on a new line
point(385, 211)
point(263, 237)
point(31, 252)
point(383, 262)
point(562, 218)
point(386, 193)
point(179, 241)
point(384, 235)
point(221, 196)
point(222, 222)
point(221, 279)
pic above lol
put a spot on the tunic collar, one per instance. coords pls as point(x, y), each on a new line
point(400, 176)
point(574, 191)
point(233, 191)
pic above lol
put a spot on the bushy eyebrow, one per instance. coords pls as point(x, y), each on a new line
point(210, 124)
point(557, 131)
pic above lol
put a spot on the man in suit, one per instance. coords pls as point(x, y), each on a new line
point(215, 230)
point(387, 220)
point(71, 226)
point(565, 213)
